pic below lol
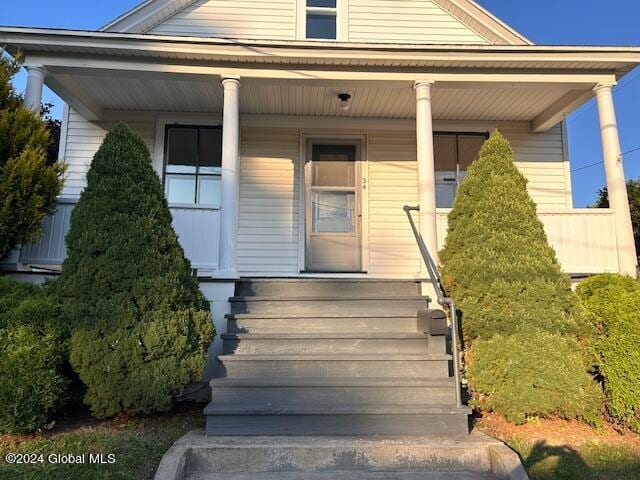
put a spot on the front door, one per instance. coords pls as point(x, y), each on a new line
point(333, 206)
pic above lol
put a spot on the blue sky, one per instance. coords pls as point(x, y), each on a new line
point(565, 22)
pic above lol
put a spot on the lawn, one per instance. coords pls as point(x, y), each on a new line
point(136, 443)
point(569, 450)
point(550, 449)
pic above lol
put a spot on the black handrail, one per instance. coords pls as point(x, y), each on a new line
point(442, 299)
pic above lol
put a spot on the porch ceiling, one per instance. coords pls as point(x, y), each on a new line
point(175, 93)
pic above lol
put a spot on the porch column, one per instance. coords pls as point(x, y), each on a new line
point(426, 167)
point(33, 92)
point(230, 177)
point(616, 184)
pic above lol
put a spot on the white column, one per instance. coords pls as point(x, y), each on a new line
point(426, 167)
point(616, 184)
point(230, 178)
point(33, 93)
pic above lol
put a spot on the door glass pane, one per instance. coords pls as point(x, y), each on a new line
point(321, 26)
point(333, 212)
point(334, 166)
point(209, 190)
point(180, 188)
point(182, 150)
point(210, 149)
point(444, 151)
point(445, 194)
point(468, 150)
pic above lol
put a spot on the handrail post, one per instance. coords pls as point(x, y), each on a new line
point(442, 299)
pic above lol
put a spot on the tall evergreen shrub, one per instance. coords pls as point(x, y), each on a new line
point(142, 326)
point(497, 262)
point(519, 314)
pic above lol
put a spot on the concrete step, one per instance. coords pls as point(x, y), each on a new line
point(343, 475)
point(247, 419)
point(290, 393)
point(404, 457)
point(287, 306)
point(335, 365)
point(273, 323)
point(326, 287)
point(325, 343)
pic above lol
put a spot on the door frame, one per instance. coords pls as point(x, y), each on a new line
point(362, 166)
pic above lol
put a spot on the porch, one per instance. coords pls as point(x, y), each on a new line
point(267, 101)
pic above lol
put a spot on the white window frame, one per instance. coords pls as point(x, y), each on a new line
point(160, 142)
point(340, 12)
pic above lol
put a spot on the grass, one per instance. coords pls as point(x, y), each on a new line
point(137, 445)
point(569, 450)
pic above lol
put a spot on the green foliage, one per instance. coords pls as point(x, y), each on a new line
point(633, 192)
point(142, 326)
point(28, 186)
point(614, 303)
point(519, 314)
point(533, 373)
point(497, 262)
point(32, 356)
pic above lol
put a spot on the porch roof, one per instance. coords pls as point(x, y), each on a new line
point(98, 71)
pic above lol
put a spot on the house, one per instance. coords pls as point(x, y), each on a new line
point(290, 134)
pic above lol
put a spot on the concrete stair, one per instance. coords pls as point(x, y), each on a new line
point(332, 357)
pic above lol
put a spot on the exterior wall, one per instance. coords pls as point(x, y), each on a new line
point(269, 226)
point(406, 21)
point(384, 21)
point(83, 138)
point(272, 19)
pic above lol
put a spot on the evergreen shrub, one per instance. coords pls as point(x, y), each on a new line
point(142, 327)
point(614, 304)
point(523, 324)
point(33, 354)
point(533, 373)
point(497, 262)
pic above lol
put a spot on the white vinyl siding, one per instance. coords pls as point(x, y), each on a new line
point(268, 236)
point(85, 137)
point(269, 193)
point(407, 21)
point(540, 157)
point(269, 19)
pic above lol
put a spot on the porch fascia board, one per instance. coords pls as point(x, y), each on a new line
point(618, 59)
point(116, 66)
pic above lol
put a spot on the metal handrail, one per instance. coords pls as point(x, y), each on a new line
point(442, 299)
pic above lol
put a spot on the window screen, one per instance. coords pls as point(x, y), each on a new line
point(193, 157)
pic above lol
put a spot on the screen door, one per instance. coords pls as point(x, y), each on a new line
point(333, 211)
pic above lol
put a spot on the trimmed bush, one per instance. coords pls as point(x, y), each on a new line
point(497, 262)
point(533, 373)
point(614, 303)
point(33, 353)
point(142, 326)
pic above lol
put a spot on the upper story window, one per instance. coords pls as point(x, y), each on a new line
point(321, 19)
point(453, 153)
point(193, 159)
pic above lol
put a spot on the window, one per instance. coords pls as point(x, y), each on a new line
point(193, 157)
point(321, 19)
point(453, 153)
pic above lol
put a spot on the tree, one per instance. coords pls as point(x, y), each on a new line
point(497, 262)
point(142, 326)
point(28, 185)
point(633, 192)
